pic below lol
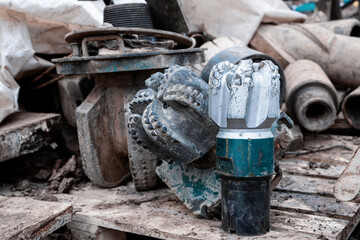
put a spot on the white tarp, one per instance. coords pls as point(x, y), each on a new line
point(236, 18)
point(15, 51)
point(48, 21)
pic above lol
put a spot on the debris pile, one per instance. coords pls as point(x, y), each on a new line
point(208, 104)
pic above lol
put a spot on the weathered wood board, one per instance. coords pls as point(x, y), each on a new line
point(302, 205)
point(24, 132)
point(25, 218)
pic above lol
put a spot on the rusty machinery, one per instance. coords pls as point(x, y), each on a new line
point(172, 119)
point(119, 73)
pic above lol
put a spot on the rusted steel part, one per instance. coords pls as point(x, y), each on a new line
point(351, 108)
point(85, 40)
point(310, 96)
point(100, 121)
point(348, 27)
point(348, 185)
point(128, 62)
point(181, 40)
point(336, 54)
point(73, 90)
point(143, 163)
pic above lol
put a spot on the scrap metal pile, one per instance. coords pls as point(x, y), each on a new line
point(213, 138)
point(209, 122)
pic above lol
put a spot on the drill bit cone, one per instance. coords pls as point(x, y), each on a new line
point(310, 96)
point(336, 54)
point(351, 108)
point(174, 122)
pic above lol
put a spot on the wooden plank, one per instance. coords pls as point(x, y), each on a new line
point(308, 168)
point(80, 235)
point(293, 216)
point(306, 185)
point(125, 194)
point(333, 156)
point(171, 221)
point(214, 47)
point(321, 227)
point(211, 51)
point(80, 231)
point(302, 206)
point(218, 44)
point(236, 41)
point(83, 227)
point(348, 185)
point(315, 205)
point(225, 42)
point(22, 133)
point(25, 218)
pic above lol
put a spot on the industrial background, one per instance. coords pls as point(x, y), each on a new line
point(179, 119)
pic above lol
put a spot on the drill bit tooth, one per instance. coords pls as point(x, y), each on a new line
point(155, 81)
point(236, 90)
point(141, 100)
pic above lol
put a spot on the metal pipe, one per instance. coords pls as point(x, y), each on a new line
point(350, 108)
point(310, 96)
point(347, 27)
point(245, 205)
point(336, 54)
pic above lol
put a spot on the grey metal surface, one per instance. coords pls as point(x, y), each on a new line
point(128, 62)
point(235, 54)
point(198, 189)
point(174, 124)
point(350, 108)
point(245, 93)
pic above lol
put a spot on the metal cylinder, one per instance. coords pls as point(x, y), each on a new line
point(245, 206)
point(348, 27)
point(336, 54)
point(351, 108)
point(128, 15)
point(310, 96)
point(245, 165)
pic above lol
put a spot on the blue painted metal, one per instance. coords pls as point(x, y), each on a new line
point(128, 62)
point(198, 189)
point(245, 157)
point(306, 7)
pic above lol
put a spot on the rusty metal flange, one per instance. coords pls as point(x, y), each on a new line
point(181, 40)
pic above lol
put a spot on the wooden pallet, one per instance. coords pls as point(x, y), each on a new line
point(25, 218)
point(302, 206)
point(25, 132)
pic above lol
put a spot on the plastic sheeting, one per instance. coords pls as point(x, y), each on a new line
point(47, 21)
point(236, 18)
point(16, 51)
